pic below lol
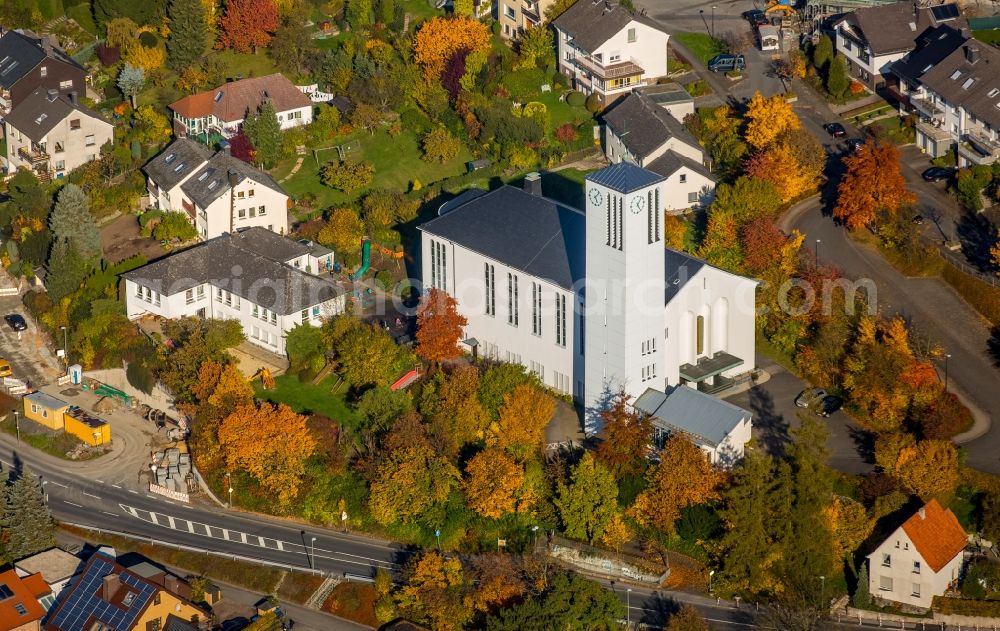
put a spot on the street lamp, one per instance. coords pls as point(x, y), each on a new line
point(229, 485)
point(628, 608)
point(946, 358)
point(65, 345)
point(312, 563)
point(437, 534)
point(822, 588)
point(713, 21)
point(816, 255)
point(701, 12)
point(17, 427)
point(711, 573)
point(534, 530)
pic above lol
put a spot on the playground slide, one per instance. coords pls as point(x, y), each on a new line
point(366, 257)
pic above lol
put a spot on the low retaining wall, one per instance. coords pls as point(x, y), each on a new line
point(172, 494)
point(936, 621)
point(158, 398)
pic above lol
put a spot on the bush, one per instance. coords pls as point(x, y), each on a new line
point(349, 176)
point(383, 279)
point(149, 40)
point(140, 377)
point(593, 104)
point(576, 98)
point(944, 417)
point(983, 297)
point(440, 146)
point(174, 226)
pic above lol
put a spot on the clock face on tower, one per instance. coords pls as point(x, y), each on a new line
point(637, 205)
point(596, 197)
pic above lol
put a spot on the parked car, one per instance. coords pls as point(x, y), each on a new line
point(726, 63)
point(5, 370)
point(854, 144)
point(16, 321)
point(809, 396)
point(918, 220)
point(830, 404)
point(835, 129)
point(937, 174)
point(755, 17)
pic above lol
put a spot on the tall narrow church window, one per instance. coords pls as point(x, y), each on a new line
point(512, 310)
point(536, 308)
point(656, 214)
point(621, 223)
point(561, 320)
point(608, 241)
point(614, 219)
point(491, 295)
point(649, 218)
point(700, 335)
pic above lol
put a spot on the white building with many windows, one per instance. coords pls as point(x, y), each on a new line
point(218, 193)
point(590, 300)
point(920, 560)
point(268, 282)
point(608, 49)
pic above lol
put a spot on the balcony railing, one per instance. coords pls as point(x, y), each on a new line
point(611, 70)
point(33, 154)
point(938, 134)
point(927, 107)
point(982, 143)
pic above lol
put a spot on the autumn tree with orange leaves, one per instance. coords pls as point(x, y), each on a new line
point(526, 412)
point(625, 436)
point(929, 468)
point(434, 592)
point(439, 327)
point(873, 186)
point(247, 25)
point(494, 484)
point(499, 581)
point(220, 390)
point(439, 39)
point(768, 118)
point(683, 478)
point(272, 443)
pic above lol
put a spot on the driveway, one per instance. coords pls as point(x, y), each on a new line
point(936, 313)
point(29, 357)
point(775, 416)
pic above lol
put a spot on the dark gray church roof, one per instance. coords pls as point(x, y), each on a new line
point(680, 268)
point(686, 409)
point(527, 232)
point(624, 177)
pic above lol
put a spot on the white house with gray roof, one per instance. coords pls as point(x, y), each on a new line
point(218, 193)
point(717, 427)
point(266, 281)
point(607, 49)
point(645, 128)
point(590, 300)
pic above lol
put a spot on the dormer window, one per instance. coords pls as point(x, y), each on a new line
point(41, 117)
point(218, 96)
point(992, 93)
point(43, 71)
point(129, 599)
point(201, 178)
point(955, 75)
point(213, 184)
point(170, 158)
point(968, 83)
point(179, 168)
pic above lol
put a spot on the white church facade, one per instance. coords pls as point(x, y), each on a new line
point(590, 300)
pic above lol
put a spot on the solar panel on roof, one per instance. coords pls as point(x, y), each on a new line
point(945, 12)
point(84, 600)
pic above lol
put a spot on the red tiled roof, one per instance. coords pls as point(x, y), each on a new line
point(25, 593)
point(239, 96)
point(936, 533)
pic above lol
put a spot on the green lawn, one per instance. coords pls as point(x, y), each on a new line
point(701, 45)
point(82, 15)
point(397, 163)
point(305, 398)
point(246, 64)
point(53, 443)
point(990, 36)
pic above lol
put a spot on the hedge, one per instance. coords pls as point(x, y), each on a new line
point(966, 607)
point(984, 297)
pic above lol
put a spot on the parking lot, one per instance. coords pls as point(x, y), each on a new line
point(775, 416)
point(29, 358)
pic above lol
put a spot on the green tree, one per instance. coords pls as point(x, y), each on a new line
point(822, 53)
point(146, 12)
point(412, 485)
point(28, 196)
point(837, 79)
point(27, 525)
point(440, 146)
point(187, 44)
point(862, 594)
point(325, 124)
point(571, 602)
point(348, 176)
point(131, 81)
point(498, 381)
point(67, 271)
point(381, 406)
point(194, 341)
point(360, 14)
point(589, 501)
point(304, 345)
point(368, 356)
point(463, 8)
point(72, 224)
point(687, 618)
point(386, 11)
point(990, 515)
point(264, 131)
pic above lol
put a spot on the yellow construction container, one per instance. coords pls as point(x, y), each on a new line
point(87, 428)
point(45, 409)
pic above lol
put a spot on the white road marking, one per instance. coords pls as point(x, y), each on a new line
point(243, 537)
point(132, 491)
point(57, 484)
point(99, 481)
point(152, 516)
point(171, 520)
point(190, 526)
point(225, 534)
point(107, 513)
point(116, 486)
point(280, 545)
point(72, 504)
point(261, 540)
point(89, 495)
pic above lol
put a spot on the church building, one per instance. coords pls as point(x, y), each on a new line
point(589, 300)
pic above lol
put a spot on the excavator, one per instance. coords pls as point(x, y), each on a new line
point(785, 8)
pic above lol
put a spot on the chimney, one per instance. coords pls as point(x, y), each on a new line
point(110, 587)
point(533, 184)
point(923, 513)
point(72, 97)
point(971, 53)
point(171, 584)
point(966, 33)
point(52, 94)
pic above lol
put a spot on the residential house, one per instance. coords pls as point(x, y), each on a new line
point(920, 560)
point(871, 38)
point(517, 16)
point(108, 596)
point(56, 566)
point(218, 193)
point(530, 274)
point(223, 109)
point(607, 49)
point(29, 62)
point(718, 428)
point(51, 134)
point(24, 601)
point(962, 96)
point(644, 128)
point(268, 282)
